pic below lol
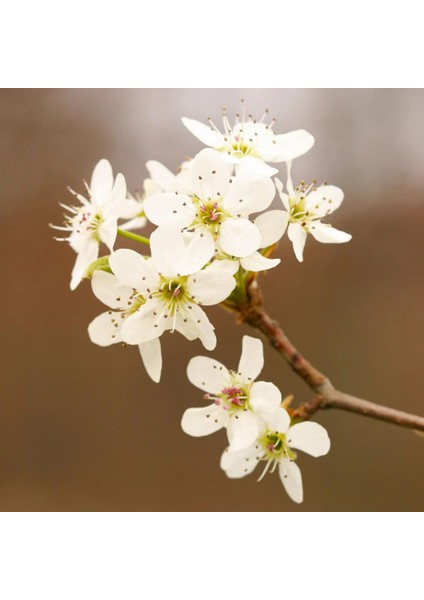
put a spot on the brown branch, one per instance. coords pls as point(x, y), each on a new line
point(327, 396)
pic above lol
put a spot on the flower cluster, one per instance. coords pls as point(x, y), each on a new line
point(258, 427)
point(215, 227)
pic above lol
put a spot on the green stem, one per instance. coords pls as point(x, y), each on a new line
point(134, 236)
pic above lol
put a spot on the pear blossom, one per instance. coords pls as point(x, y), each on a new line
point(251, 144)
point(165, 181)
point(236, 397)
point(219, 207)
point(160, 179)
point(274, 446)
point(95, 221)
point(137, 219)
point(306, 206)
point(174, 287)
point(123, 301)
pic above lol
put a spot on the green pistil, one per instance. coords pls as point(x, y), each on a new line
point(241, 149)
point(275, 445)
point(173, 293)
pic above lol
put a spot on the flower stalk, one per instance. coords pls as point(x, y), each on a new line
point(326, 395)
point(133, 236)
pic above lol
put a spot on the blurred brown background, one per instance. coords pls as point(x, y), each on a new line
point(83, 428)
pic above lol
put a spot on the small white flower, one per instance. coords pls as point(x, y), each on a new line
point(236, 398)
point(123, 301)
point(274, 445)
point(219, 207)
point(95, 221)
point(306, 206)
point(135, 214)
point(251, 144)
point(161, 180)
point(174, 287)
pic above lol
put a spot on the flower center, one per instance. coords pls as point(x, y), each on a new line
point(87, 222)
point(297, 210)
point(240, 148)
point(209, 214)
point(173, 293)
point(232, 398)
point(275, 446)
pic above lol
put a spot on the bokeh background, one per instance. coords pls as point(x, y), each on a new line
point(83, 428)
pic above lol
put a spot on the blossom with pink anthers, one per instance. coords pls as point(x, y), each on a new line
point(218, 209)
point(236, 396)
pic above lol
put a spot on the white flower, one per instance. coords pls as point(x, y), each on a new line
point(161, 180)
point(123, 301)
point(236, 397)
point(305, 207)
point(251, 144)
point(219, 207)
point(137, 219)
point(95, 221)
point(274, 445)
point(174, 287)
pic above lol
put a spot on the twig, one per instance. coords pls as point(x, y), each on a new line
point(327, 396)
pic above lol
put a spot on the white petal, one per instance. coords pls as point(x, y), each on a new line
point(151, 355)
point(210, 287)
point(328, 234)
point(246, 195)
point(129, 208)
point(278, 420)
point(291, 478)
point(204, 133)
point(150, 187)
point(241, 463)
point(84, 259)
point(109, 290)
point(242, 429)
point(108, 231)
point(264, 398)
point(252, 358)
point(257, 262)
point(272, 225)
point(101, 182)
point(197, 253)
point(205, 329)
point(297, 235)
point(311, 438)
point(169, 208)
point(161, 175)
point(136, 223)
point(210, 174)
point(249, 165)
point(225, 265)
point(172, 255)
point(287, 146)
point(133, 270)
point(324, 200)
point(144, 325)
point(105, 329)
point(204, 421)
point(239, 237)
point(208, 374)
point(184, 326)
point(284, 197)
point(119, 192)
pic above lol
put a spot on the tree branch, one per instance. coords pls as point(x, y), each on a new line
point(327, 396)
